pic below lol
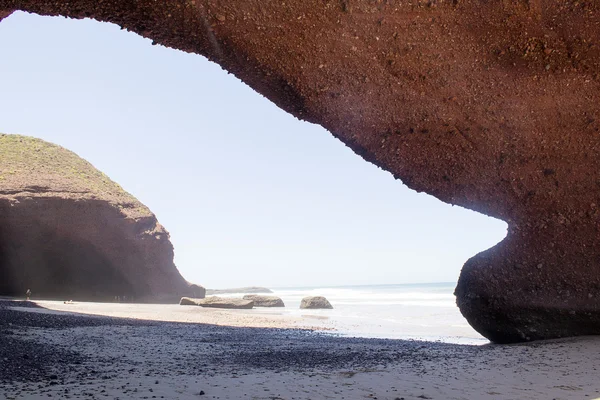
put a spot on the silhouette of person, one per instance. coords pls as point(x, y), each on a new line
point(28, 294)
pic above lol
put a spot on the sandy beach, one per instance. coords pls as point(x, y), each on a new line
point(254, 318)
point(51, 351)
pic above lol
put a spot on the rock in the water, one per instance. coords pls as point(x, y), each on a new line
point(315, 302)
point(68, 231)
point(249, 289)
point(265, 301)
point(224, 302)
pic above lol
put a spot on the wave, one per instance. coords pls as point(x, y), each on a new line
point(391, 311)
point(432, 303)
point(365, 296)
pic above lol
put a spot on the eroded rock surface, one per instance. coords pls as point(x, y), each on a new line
point(491, 105)
point(265, 301)
point(315, 302)
point(67, 231)
point(218, 302)
point(188, 301)
point(4, 14)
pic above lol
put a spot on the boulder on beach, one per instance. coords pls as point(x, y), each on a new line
point(315, 302)
point(217, 302)
point(265, 301)
point(225, 302)
point(188, 301)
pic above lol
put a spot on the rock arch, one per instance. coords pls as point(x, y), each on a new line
point(491, 105)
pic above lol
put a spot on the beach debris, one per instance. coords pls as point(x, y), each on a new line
point(315, 302)
point(265, 301)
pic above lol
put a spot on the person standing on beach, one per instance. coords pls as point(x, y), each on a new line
point(28, 294)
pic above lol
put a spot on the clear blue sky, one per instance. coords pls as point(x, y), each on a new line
point(250, 195)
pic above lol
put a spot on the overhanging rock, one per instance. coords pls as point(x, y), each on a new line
point(492, 105)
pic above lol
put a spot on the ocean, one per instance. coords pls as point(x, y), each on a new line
point(406, 311)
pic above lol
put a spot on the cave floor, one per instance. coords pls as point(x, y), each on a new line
point(59, 355)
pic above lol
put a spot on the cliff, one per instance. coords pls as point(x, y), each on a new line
point(491, 105)
point(67, 231)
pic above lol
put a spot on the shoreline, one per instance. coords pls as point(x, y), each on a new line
point(62, 355)
point(317, 320)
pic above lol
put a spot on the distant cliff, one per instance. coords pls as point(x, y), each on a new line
point(68, 231)
point(249, 289)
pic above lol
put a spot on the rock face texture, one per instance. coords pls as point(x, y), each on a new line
point(491, 105)
point(4, 14)
point(188, 301)
point(217, 302)
point(315, 302)
point(196, 291)
point(265, 301)
point(68, 231)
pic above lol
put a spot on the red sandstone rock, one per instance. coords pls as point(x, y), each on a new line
point(68, 231)
point(492, 105)
point(4, 14)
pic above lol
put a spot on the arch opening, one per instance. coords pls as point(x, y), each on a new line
point(502, 147)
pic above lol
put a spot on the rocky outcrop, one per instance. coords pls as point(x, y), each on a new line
point(196, 291)
point(189, 301)
point(68, 231)
point(315, 302)
point(248, 289)
point(265, 301)
point(490, 105)
point(217, 302)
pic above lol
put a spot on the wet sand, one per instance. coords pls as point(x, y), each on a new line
point(53, 354)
